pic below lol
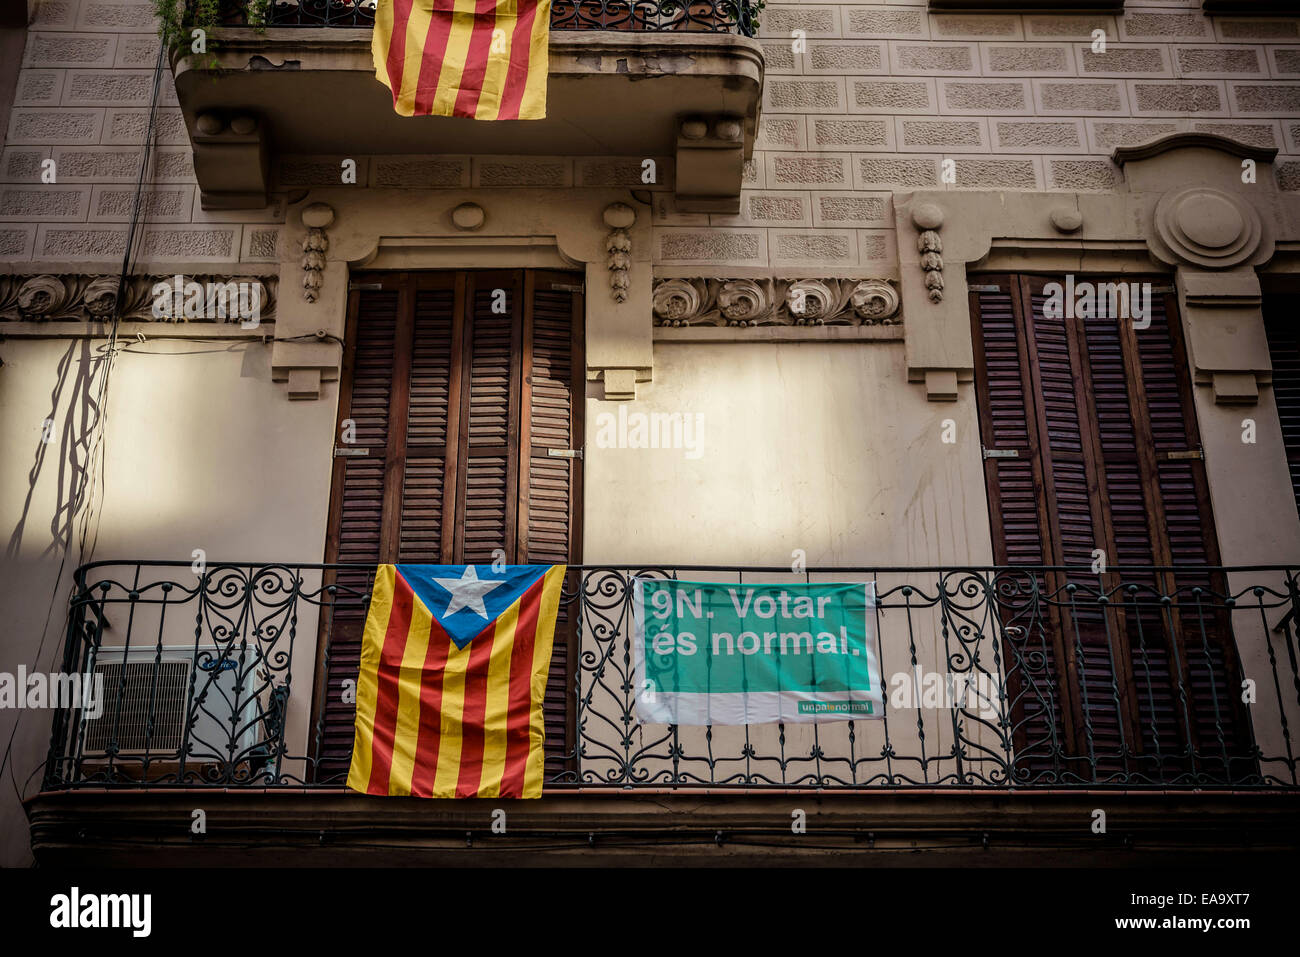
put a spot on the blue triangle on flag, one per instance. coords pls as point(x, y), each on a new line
point(465, 599)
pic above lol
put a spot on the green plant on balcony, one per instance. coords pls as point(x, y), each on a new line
point(179, 19)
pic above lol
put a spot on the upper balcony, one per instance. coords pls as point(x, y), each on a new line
point(638, 79)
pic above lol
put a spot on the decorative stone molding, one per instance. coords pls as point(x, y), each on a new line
point(676, 301)
point(1066, 219)
point(1226, 340)
point(383, 230)
point(809, 301)
point(1214, 229)
point(1026, 6)
point(746, 303)
point(1123, 155)
point(876, 301)
point(621, 89)
point(928, 218)
point(1183, 207)
point(91, 298)
point(468, 216)
point(710, 161)
point(316, 217)
point(1205, 227)
point(619, 217)
point(619, 384)
point(231, 162)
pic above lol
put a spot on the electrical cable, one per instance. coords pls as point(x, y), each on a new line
point(84, 494)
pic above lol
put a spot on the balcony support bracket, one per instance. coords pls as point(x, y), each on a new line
point(710, 163)
point(230, 160)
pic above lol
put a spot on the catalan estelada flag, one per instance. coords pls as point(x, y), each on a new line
point(484, 59)
point(454, 662)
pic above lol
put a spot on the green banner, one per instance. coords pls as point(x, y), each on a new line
point(728, 653)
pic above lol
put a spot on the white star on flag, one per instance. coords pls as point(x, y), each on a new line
point(467, 592)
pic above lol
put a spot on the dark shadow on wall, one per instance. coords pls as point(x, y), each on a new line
point(78, 371)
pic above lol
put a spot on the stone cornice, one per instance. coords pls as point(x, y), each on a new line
point(571, 51)
point(1027, 6)
point(1177, 141)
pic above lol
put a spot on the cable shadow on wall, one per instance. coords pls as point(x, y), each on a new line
point(75, 391)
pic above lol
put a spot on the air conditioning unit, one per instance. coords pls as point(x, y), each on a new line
point(157, 703)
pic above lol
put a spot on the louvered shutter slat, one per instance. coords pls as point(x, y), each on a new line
point(1284, 353)
point(420, 534)
point(548, 486)
point(360, 511)
point(1021, 537)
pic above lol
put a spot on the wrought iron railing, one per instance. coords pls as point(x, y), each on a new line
point(1170, 678)
point(705, 16)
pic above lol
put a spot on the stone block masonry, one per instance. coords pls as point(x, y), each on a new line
point(860, 100)
point(864, 99)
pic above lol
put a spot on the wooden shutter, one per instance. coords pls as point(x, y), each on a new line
point(357, 507)
point(550, 493)
point(458, 384)
point(429, 429)
point(1283, 331)
point(1042, 715)
point(1104, 412)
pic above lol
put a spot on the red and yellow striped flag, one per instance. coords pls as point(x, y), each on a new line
point(484, 59)
point(453, 673)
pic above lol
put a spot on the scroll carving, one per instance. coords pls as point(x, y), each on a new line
point(745, 303)
point(92, 298)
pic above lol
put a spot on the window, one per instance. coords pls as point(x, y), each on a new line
point(1092, 452)
point(456, 387)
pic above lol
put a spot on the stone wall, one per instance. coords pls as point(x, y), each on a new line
point(82, 100)
point(876, 99)
point(880, 95)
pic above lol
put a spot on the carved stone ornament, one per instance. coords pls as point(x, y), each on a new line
point(1066, 219)
point(875, 301)
point(619, 217)
point(1206, 227)
point(468, 217)
point(928, 218)
point(80, 298)
point(317, 217)
point(774, 302)
point(675, 302)
point(744, 302)
point(100, 296)
point(809, 301)
point(41, 296)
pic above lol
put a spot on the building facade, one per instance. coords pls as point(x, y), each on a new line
point(989, 303)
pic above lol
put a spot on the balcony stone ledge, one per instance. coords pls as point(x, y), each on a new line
point(256, 96)
point(854, 827)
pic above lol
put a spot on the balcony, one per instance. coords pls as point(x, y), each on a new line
point(209, 680)
point(630, 79)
